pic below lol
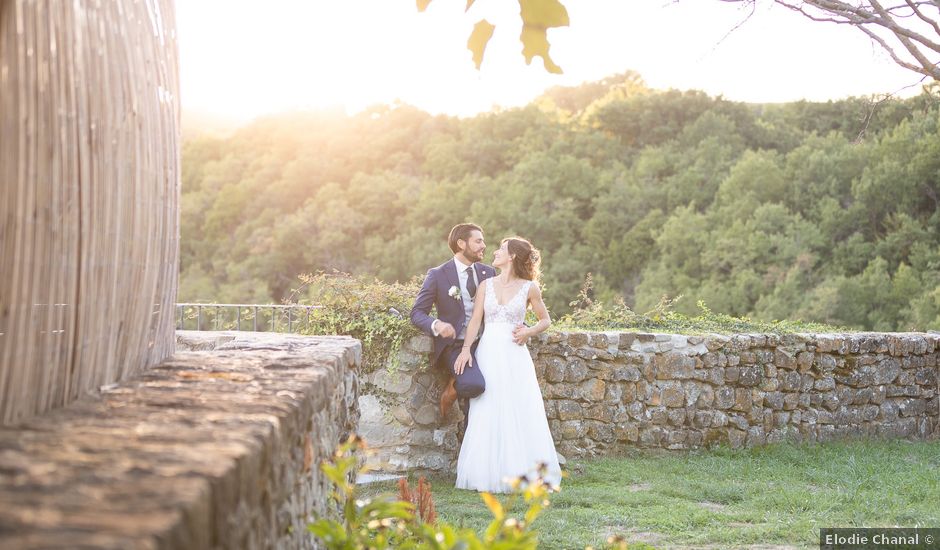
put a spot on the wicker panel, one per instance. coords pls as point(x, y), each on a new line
point(89, 187)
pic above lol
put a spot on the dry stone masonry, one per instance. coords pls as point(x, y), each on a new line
point(607, 392)
point(209, 449)
point(400, 417)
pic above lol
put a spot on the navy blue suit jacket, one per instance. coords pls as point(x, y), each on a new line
point(434, 292)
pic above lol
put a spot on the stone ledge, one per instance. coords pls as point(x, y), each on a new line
point(206, 450)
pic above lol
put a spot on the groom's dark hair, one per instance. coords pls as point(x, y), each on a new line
point(461, 231)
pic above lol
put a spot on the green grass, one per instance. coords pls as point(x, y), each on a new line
point(774, 495)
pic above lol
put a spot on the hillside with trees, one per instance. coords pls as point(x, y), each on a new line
point(823, 212)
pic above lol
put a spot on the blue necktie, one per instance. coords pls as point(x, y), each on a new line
point(471, 284)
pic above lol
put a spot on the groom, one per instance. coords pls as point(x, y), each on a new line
point(451, 287)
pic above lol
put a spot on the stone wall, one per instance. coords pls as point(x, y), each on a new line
point(209, 449)
point(400, 414)
point(607, 392)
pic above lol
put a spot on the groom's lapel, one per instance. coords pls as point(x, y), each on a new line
point(451, 271)
point(482, 272)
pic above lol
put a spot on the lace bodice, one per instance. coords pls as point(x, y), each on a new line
point(512, 311)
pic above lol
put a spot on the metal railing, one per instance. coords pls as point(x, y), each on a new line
point(254, 317)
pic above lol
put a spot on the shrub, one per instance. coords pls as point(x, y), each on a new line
point(372, 311)
point(588, 314)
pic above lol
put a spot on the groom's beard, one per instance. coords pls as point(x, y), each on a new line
point(472, 257)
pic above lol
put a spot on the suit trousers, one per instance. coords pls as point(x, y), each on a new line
point(469, 383)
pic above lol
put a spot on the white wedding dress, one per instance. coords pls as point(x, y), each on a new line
point(507, 432)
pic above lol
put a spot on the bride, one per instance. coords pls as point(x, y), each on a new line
point(507, 433)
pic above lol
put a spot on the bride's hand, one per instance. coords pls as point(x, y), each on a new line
point(520, 334)
point(463, 360)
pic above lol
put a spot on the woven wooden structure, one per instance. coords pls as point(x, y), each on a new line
point(89, 187)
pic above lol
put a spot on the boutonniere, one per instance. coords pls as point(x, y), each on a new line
point(454, 293)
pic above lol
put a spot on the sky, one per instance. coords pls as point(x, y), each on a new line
point(241, 59)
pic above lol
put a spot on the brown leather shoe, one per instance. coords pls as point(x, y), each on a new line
point(448, 396)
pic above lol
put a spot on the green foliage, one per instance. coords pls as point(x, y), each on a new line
point(374, 312)
point(384, 521)
point(761, 211)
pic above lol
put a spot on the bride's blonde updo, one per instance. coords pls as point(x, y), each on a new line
point(526, 259)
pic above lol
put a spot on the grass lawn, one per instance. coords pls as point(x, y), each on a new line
point(777, 496)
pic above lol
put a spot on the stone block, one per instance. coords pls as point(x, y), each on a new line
point(652, 437)
point(825, 363)
point(750, 376)
point(790, 381)
point(572, 429)
point(673, 395)
point(626, 372)
point(703, 419)
point(736, 438)
point(804, 360)
point(926, 377)
point(601, 432)
point(706, 398)
point(568, 410)
point(592, 390)
point(578, 339)
point(575, 370)
point(912, 407)
point(637, 411)
point(719, 419)
point(427, 414)
point(673, 366)
point(742, 399)
point(784, 359)
point(774, 400)
point(555, 370)
point(889, 411)
point(724, 398)
point(420, 344)
point(600, 411)
point(626, 432)
point(692, 392)
point(397, 382)
point(676, 417)
point(628, 392)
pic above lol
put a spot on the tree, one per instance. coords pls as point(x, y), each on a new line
point(908, 30)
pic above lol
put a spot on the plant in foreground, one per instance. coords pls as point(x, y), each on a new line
point(388, 522)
